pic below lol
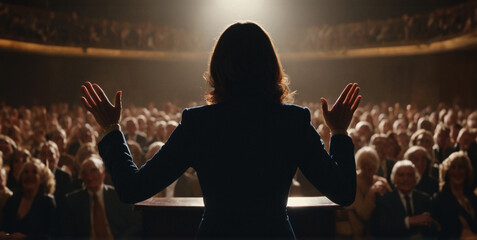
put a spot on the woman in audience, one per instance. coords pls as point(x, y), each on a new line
point(30, 213)
point(455, 206)
point(422, 160)
point(19, 158)
point(354, 218)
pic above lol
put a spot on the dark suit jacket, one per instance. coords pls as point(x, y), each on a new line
point(40, 221)
point(389, 214)
point(63, 186)
point(245, 156)
point(446, 211)
point(123, 221)
point(428, 185)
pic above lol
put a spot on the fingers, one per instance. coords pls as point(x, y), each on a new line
point(344, 94)
point(324, 106)
point(117, 100)
point(350, 94)
point(87, 96)
point(356, 103)
point(93, 93)
point(354, 94)
point(86, 104)
point(100, 93)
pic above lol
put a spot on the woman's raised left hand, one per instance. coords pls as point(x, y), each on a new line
point(99, 105)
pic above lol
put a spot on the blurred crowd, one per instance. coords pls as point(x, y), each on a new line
point(53, 181)
point(69, 29)
point(440, 24)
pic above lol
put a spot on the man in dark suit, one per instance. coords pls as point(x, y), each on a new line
point(96, 212)
point(403, 213)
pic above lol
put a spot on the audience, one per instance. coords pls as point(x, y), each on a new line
point(421, 159)
point(354, 223)
point(71, 131)
point(405, 212)
point(69, 29)
point(31, 212)
point(455, 205)
point(96, 212)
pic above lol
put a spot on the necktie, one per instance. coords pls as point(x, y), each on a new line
point(99, 221)
point(408, 206)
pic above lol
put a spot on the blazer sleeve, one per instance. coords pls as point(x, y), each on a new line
point(135, 185)
point(333, 174)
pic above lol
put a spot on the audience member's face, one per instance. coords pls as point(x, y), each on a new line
point(5, 148)
point(131, 127)
point(48, 157)
point(368, 167)
point(86, 136)
point(419, 158)
point(66, 122)
point(425, 141)
point(443, 139)
point(365, 132)
point(457, 172)
point(392, 147)
point(30, 177)
point(405, 179)
point(60, 140)
point(385, 126)
point(92, 175)
point(380, 145)
point(19, 158)
point(465, 139)
point(39, 135)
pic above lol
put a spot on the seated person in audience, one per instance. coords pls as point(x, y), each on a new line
point(31, 213)
point(399, 125)
point(19, 158)
point(385, 126)
point(455, 206)
point(132, 133)
point(424, 123)
point(352, 221)
point(96, 211)
point(422, 160)
point(380, 143)
point(50, 156)
point(81, 136)
point(442, 143)
point(38, 137)
point(466, 141)
point(5, 193)
point(137, 153)
point(7, 147)
point(425, 139)
point(66, 162)
point(472, 120)
point(404, 213)
point(365, 131)
point(393, 147)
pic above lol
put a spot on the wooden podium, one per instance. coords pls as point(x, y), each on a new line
point(179, 218)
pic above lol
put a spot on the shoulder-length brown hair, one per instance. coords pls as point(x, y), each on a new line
point(244, 66)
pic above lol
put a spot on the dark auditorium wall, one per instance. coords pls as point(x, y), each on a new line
point(427, 79)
